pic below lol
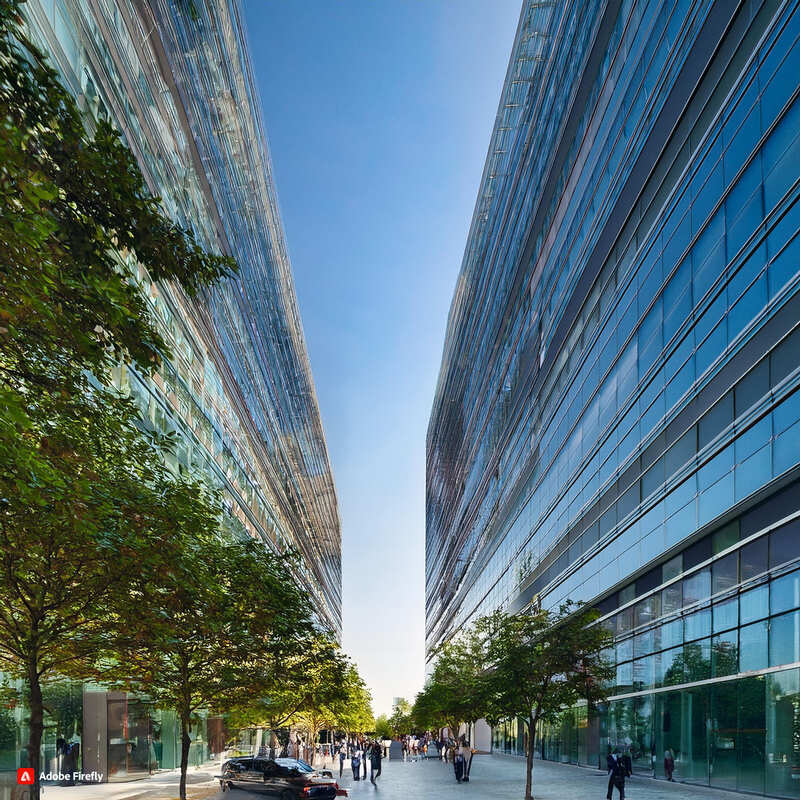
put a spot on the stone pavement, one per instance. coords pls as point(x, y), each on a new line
point(201, 784)
point(503, 778)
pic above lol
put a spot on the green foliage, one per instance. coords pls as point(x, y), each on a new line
point(456, 689)
point(383, 728)
point(214, 621)
point(541, 662)
point(352, 711)
point(402, 721)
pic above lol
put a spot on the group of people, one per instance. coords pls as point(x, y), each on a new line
point(363, 751)
point(359, 751)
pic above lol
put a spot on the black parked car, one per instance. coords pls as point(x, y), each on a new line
point(288, 778)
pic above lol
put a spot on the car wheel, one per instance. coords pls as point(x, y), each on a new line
point(231, 787)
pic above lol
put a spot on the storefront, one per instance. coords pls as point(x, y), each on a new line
point(116, 735)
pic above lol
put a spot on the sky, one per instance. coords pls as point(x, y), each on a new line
point(378, 115)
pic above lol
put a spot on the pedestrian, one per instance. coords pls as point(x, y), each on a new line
point(627, 762)
point(459, 763)
point(617, 772)
point(355, 763)
point(468, 766)
point(365, 749)
point(375, 761)
point(669, 764)
point(342, 756)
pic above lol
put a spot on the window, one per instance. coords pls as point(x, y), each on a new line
point(726, 615)
point(671, 634)
point(784, 544)
point(784, 593)
point(754, 604)
point(697, 587)
point(725, 573)
point(753, 646)
point(672, 598)
point(672, 568)
point(753, 558)
point(784, 639)
point(697, 625)
point(725, 654)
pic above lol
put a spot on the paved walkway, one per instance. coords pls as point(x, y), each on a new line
point(503, 778)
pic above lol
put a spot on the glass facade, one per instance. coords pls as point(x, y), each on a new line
point(175, 79)
point(617, 417)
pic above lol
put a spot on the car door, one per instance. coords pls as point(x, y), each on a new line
point(239, 771)
point(262, 773)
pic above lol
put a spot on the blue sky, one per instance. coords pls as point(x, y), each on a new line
point(379, 114)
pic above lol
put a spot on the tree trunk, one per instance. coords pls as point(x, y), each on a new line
point(36, 725)
point(529, 758)
point(185, 742)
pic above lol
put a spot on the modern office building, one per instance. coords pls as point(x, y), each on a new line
point(175, 78)
point(617, 417)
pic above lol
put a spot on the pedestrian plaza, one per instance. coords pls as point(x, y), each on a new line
point(503, 778)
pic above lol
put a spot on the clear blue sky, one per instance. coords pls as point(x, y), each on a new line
point(379, 114)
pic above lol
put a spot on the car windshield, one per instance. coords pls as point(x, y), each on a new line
point(292, 763)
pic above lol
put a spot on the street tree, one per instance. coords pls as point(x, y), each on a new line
point(312, 677)
point(78, 511)
point(324, 690)
point(402, 721)
point(205, 631)
point(540, 662)
point(455, 692)
point(352, 711)
point(383, 728)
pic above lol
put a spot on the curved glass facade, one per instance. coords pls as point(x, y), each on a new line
point(174, 76)
point(617, 418)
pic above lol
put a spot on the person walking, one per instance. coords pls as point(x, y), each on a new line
point(375, 761)
point(617, 772)
point(355, 763)
point(342, 756)
point(627, 762)
point(669, 764)
point(459, 762)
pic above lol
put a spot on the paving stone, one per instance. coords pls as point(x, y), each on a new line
point(503, 778)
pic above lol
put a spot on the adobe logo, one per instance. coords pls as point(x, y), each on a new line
point(25, 776)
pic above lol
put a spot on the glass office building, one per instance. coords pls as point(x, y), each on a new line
point(617, 417)
point(175, 78)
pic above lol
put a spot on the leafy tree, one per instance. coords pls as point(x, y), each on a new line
point(312, 679)
point(323, 695)
point(383, 728)
point(352, 712)
point(541, 662)
point(78, 509)
point(217, 617)
point(455, 691)
point(402, 721)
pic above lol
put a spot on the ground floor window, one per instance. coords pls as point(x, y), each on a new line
point(741, 734)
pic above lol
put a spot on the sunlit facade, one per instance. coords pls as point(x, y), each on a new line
point(175, 78)
point(617, 416)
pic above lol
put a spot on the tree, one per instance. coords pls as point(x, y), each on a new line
point(541, 662)
point(312, 683)
point(220, 619)
point(383, 728)
point(78, 511)
point(401, 720)
point(455, 691)
point(324, 690)
point(352, 712)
